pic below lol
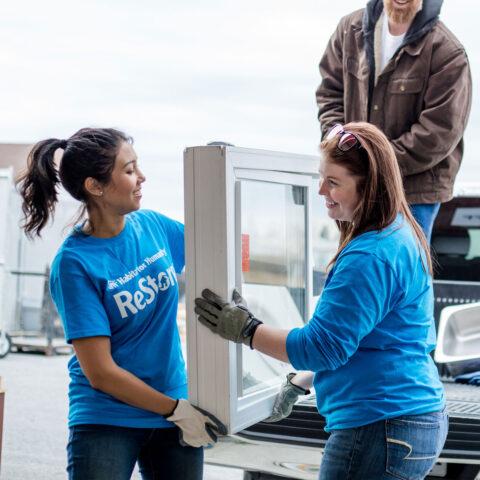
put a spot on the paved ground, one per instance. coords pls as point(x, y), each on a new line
point(35, 420)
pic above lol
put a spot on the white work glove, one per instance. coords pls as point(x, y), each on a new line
point(286, 399)
point(198, 428)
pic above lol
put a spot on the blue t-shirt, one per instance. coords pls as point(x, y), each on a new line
point(125, 288)
point(372, 332)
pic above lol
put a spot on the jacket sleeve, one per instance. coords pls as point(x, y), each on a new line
point(330, 91)
point(441, 124)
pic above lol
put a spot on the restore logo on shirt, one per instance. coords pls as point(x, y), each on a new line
point(148, 285)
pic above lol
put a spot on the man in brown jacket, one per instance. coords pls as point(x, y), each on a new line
point(396, 65)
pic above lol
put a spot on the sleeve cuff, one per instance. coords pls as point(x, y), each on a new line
point(85, 334)
point(304, 354)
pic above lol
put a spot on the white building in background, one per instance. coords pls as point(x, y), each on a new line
point(21, 293)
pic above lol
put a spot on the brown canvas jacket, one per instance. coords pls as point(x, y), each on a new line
point(421, 100)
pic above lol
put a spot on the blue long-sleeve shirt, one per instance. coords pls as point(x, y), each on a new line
point(372, 332)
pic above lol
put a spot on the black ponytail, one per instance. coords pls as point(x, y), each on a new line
point(39, 186)
point(90, 152)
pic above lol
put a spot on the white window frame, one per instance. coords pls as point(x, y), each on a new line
point(212, 233)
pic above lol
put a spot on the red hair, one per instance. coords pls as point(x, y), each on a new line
point(379, 185)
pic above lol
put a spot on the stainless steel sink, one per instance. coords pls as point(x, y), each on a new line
point(458, 333)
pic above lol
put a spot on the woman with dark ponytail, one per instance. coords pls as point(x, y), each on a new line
point(114, 284)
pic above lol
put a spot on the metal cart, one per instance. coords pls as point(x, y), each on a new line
point(48, 336)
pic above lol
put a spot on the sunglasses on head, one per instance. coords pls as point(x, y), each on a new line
point(347, 140)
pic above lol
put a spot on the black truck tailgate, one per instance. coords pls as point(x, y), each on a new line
point(305, 425)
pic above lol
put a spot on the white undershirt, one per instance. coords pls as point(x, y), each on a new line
point(390, 43)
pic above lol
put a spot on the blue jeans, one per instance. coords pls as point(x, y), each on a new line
point(104, 452)
point(425, 215)
point(405, 448)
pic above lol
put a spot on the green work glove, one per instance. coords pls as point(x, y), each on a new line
point(232, 321)
point(286, 399)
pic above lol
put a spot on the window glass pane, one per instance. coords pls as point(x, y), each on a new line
point(273, 236)
point(325, 236)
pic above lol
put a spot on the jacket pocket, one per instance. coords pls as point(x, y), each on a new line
point(405, 85)
point(413, 444)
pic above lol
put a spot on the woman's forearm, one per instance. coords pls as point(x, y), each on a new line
point(97, 364)
point(271, 341)
point(128, 388)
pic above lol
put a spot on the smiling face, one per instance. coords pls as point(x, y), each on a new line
point(123, 192)
point(402, 11)
point(339, 187)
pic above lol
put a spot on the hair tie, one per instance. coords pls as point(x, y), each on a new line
point(62, 144)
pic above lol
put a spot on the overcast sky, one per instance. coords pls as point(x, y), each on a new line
point(176, 74)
